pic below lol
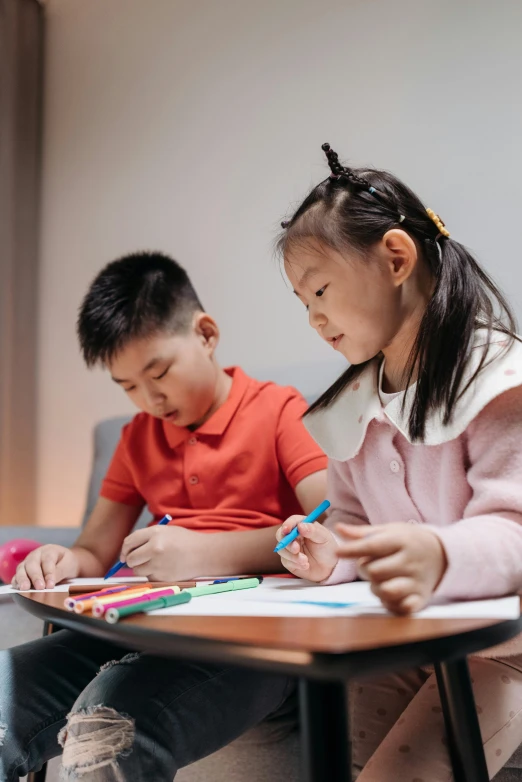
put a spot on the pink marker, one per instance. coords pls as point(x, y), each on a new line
point(70, 602)
point(99, 609)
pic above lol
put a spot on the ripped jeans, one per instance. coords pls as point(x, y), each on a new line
point(120, 716)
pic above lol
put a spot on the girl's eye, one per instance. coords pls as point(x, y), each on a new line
point(162, 374)
point(131, 388)
point(320, 291)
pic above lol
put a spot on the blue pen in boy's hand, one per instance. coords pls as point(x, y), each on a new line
point(283, 543)
point(118, 566)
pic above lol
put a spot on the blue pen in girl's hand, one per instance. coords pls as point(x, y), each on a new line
point(118, 566)
point(314, 515)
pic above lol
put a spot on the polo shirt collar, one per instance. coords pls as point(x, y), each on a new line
point(218, 421)
point(341, 428)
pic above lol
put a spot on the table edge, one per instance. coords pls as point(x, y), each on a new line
point(322, 665)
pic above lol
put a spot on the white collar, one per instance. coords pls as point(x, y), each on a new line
point(341, 428)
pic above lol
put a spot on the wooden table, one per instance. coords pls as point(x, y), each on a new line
point(324, 654)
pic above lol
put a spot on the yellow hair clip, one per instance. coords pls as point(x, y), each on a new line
point(438, 222)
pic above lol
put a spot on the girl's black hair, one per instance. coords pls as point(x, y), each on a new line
point(352, 210)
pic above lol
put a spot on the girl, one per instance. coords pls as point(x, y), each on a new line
point(424, 435)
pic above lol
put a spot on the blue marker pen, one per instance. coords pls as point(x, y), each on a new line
point(118, 566)
point(314, 515)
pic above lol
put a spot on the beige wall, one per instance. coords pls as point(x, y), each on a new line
point(191, 125)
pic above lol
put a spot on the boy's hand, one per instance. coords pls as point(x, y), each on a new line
point(313, 555)
point(163, 553)
point(45, 567)
point(404, 564)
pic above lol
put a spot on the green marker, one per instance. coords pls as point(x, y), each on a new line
point(113, 615)
point(229, 586)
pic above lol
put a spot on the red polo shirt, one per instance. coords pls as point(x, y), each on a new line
point(237, 471)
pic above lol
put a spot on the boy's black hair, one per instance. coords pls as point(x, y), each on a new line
point(352, 210)
point(134, 297)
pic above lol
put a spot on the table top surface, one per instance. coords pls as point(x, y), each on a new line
point(291, 641)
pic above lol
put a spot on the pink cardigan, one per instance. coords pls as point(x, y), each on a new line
point(464, 481)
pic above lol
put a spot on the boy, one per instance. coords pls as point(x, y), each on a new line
point(223, 454)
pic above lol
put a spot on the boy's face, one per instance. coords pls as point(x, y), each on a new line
point(171, 376)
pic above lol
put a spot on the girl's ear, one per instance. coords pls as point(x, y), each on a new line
point(400, 254)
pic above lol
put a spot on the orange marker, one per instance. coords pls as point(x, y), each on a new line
point(81, 606)
point(69, 602)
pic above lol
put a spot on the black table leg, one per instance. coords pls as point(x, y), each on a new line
point(462, 725)
point(325, 733)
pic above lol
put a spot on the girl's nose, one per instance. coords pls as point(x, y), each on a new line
point(316, 318)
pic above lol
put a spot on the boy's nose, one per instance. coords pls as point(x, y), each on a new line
point(155, 398)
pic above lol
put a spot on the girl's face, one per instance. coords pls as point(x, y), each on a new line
point(360, 306)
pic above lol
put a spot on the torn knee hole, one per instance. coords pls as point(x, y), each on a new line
point(129, 658)
point(3, 731)
point(95, 738)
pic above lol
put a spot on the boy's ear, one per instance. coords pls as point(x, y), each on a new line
point(206, 328)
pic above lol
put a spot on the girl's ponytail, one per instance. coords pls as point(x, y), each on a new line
point(352, 210)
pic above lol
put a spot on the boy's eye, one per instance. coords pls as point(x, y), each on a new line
point(130, 388)
point(162, 374)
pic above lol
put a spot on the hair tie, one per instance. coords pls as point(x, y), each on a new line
point(443, 231)
point(338, 171)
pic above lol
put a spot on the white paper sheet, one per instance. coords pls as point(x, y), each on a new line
point(297, 598)
point(8, 589)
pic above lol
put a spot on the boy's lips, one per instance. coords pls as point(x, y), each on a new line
point(334, 341)
point(170, 416)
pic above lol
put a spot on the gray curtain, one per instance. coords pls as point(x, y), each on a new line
point(21, 47)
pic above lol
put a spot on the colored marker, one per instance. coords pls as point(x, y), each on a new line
point(99, 609)
point(229, 586)
point(81, 606)
point(235, 578)
point(118, 566)
point(321, 603)
point(70, 601)
point(314, 515)
point(113, 615)
point(79, 590)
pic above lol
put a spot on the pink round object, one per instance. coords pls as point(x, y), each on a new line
point(11, 554)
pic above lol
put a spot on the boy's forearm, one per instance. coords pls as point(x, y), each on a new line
point(229, 553)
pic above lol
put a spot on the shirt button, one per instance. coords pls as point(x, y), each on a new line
point(193, 441)
point(395, 466)
point(193, 479)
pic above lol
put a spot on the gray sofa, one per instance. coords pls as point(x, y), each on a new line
point(267, 753)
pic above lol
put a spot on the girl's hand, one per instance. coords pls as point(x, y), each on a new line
point(313, 555)
point(404, 564)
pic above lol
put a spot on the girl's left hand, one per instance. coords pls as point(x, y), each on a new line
point(403, 563)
